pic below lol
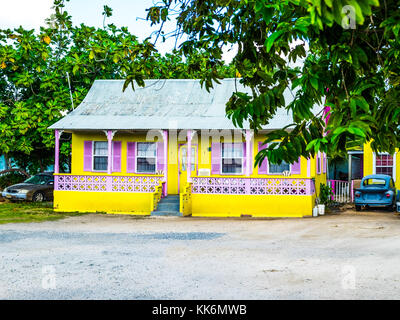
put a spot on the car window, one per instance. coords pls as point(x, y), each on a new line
point(391, 183)
point(38, 179)
point(374, 182)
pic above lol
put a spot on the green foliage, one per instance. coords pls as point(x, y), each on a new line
point(34, 90)
point(306, 47)
point(25, 212)
point(325, 194)
point(11, 178)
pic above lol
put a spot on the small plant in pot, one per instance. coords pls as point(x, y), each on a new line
point(325, 196)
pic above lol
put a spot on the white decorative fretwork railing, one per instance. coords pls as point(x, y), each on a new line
point(106, 183)
point(253, 186)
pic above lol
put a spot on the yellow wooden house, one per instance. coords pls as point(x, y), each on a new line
point(171, 143)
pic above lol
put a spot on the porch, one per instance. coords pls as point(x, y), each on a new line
point(108, 193)
point(252, 197)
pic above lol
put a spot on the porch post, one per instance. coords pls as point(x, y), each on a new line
point(57, 135)
point(189, 155)
point(249, 161)
point(350, 174)
point(165, 140)
point(109, 162)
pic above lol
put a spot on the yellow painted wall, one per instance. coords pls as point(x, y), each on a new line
point(369, 165)
point(110, 202)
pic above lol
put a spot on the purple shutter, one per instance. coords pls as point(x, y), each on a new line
point(160, 156)
point(318, 163)
point(130, 157)
point(244, 171)
point(87, 155)
point(324, 163)
point(296, 167)
point(116, 156)
point(215, 158)
point(263, 168)
point(252, 156)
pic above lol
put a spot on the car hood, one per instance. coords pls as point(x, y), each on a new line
point(23, 186)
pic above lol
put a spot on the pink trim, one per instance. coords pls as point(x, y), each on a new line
point(102, 183)
point(248, 156)
point(295, 168)
point(109, 161)
point(130, 156)
point(116, 156)
point(263, 167)
point(165, 138)
point(253, 186)
point(189, 156)
point(87, 155)
point(57, 151)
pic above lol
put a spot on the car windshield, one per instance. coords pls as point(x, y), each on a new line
point(374, 182)
point(38, 179)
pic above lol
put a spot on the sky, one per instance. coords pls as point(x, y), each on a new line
point(31, 14)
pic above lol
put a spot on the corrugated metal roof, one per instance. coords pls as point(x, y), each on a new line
point(161, 104)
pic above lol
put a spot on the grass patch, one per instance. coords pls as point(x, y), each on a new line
point(31, 212)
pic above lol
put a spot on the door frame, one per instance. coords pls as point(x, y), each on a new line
point(179, 162)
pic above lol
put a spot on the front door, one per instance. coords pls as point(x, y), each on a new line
point(182, 168)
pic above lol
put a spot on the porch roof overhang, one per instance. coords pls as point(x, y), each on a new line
point(162, 104)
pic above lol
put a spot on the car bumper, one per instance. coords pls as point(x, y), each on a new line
point(14, 196)
point(374, 203)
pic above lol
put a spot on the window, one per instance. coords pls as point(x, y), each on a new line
point(278, 168)
point(374, 183)
point(384, 164)
point(232, 158)
point(100, 155)
point(184, 159)
point(146, 157)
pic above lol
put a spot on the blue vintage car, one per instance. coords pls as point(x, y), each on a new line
point(376, 190)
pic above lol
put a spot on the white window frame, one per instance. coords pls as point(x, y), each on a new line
point(276, 173)
point(136, 158)
point(181, 158)
point(93, 155)
point(384, 154)
point(222, 157)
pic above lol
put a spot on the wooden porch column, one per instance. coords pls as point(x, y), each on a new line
point(57, 135)
point(249, 161)
point(165, 140)
point(109, 161)
point(189, 155)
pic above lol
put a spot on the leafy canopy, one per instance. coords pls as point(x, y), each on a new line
point(34, 90)
point(348, 49)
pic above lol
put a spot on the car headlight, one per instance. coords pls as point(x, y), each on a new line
point(23, 191)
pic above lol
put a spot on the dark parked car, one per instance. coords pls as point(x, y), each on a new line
point(376, 190)
point(37, 188)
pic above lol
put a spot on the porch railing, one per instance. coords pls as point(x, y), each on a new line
point(342, 190)
point(106, 183)
point(185, 200)
point(253, 186)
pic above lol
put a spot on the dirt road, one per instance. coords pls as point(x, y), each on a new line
point(349, 256)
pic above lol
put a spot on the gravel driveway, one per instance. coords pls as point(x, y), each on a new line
point(349, 256)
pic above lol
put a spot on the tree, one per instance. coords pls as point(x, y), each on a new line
point(350, 51)
point(34, 70)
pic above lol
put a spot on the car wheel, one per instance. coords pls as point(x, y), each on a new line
point(38, 197)
point(358, 208)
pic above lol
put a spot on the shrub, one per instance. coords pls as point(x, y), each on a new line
point(325, 194)
point(10, 178)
